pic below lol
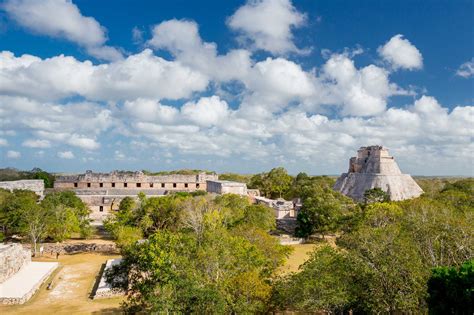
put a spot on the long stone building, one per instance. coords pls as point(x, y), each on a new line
point(102, 192)
point(35, 185)
point(373, 167)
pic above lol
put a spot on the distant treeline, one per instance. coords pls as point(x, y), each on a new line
point(8, 174)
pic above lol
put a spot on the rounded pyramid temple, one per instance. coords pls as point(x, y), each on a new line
point(375, 168)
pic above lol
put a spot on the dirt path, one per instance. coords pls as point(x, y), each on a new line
point(72, 286)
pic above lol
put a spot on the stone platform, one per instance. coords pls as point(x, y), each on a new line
point(20, 287)
point(104, 290)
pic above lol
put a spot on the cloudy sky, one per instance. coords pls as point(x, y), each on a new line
point(236, 86)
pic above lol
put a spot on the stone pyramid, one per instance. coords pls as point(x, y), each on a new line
point(375, 168)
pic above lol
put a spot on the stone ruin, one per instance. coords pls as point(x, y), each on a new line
point(12, 258)
point(375, 168)
point(35, 185)
point(20, 277)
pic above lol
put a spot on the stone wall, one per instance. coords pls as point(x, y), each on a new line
point(35, 185)
point(226, 187)
point(12, 258)
point(134, 180)
point(74, 248)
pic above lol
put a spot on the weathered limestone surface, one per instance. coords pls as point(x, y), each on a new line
point(104, 289)
point(20, 278)
point(35, 185)
point(226, 187)
point(12, 258)
point(375, 168)
point(65, 248)
point(20, 287)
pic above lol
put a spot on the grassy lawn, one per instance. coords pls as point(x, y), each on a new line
point(72, 285)
point(300, 254)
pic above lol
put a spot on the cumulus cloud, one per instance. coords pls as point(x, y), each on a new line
point(3, 142)
point(400, 53)
point(279, 112)
point(68, 155)
point(75, 124)
point(268, 24)
point(36, 143)
point(207, 111)
point(466, 70)
point(181, 38)
point(361, 92)
point(62, 19)
point(140, 75)
point(13, 154)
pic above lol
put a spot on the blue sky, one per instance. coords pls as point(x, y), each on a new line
point(235, 85)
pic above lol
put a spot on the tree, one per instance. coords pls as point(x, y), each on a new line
point(278, 180)
point(34, 223)
point(324, 283)
point(45, 176)
point(324, 211)
point(272, 184)
point(444, 235)
point(67, 214)
point(375, 195)
point(451, 289)
point(219, 258)
point(391, 273)
point(173, 273)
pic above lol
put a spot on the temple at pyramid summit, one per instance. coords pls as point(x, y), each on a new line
point(373, 167)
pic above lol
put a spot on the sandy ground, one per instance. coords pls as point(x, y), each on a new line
point(73, 282)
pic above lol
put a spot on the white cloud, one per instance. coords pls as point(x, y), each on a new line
point(400, 53)
point(207, 111)
point(68, 155)
point(141, 75)
point(3, 142)
point(76, 124)
point(151, 110)
point(36, 143)
point(181, 38)
point(361, 92)
point(268, 24)
point(13, 154)
point(466, 70)
point(62, 19)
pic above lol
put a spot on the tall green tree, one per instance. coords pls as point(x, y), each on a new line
point(325, 211)
point(324, 284)
point(278, 180)
point(67, 214)
point(451, 290)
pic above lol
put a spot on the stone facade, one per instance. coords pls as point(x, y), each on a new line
point(373, 167)
point(283, 208)
point(35, 185)
point(226, 187)
point(102, 192)
point(12, 258)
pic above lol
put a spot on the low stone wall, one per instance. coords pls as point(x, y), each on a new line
point(12, 258)
point(73, 248)
point(291, 240)
point(104, 290)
